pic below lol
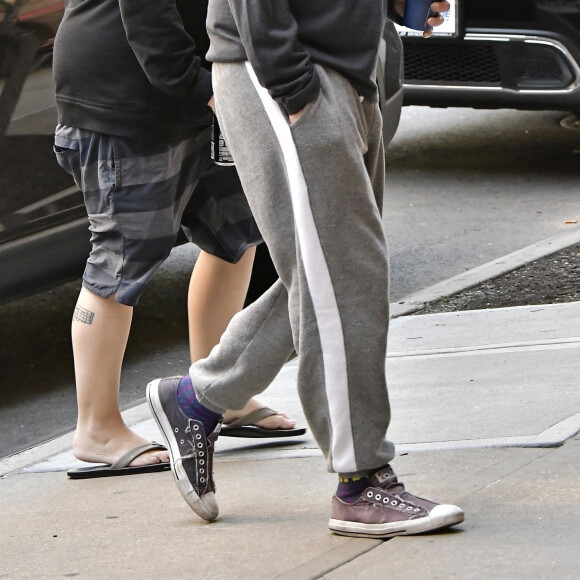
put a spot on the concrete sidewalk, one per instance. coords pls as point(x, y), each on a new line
point(486, 412)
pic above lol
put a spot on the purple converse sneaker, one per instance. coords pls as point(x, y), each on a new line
point(190, 450)
point(385, 509)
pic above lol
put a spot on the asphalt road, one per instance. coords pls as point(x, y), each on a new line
point(464, 187)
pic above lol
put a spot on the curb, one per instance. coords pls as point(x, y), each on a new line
point(471, 278)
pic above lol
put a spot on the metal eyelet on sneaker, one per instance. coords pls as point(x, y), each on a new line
point(200, 444)
point(198, 436)
point(195, 427)
point(202, 479)
point(378, 497)
point(410, 508)
point(202, 461)
point(370, 494)
point(182, 441)
point(176, 429)
point(394, 502)
point(385, 500)
point(417, 509)
point(201, 453)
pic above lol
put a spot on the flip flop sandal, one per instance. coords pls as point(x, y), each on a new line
point(121, 466)
point(244, 426)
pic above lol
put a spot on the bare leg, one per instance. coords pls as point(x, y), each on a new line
point(100, 329)
point(217, 292)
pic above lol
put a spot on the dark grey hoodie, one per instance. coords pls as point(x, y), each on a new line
point(283, 38)
point(132, 68)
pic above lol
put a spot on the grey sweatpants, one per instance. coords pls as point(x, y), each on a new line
point(315, 188)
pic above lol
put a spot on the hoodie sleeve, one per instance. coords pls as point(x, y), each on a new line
point(164, 50)
point(269, 34)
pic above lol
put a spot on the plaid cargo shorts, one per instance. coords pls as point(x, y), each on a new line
point(139, 194)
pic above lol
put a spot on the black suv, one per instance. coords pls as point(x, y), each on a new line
point(44, 237)
point(521, 54)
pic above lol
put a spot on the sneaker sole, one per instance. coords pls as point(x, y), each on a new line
point(441, 516)
point(206, 506)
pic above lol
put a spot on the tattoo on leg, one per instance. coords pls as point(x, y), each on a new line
point(83, 315)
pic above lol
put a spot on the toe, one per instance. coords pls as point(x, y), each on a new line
point(278, 421)
point(150, 458)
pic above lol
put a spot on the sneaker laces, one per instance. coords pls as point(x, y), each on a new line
point(386, 479)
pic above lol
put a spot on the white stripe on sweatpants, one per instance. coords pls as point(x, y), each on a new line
point(321, 290)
